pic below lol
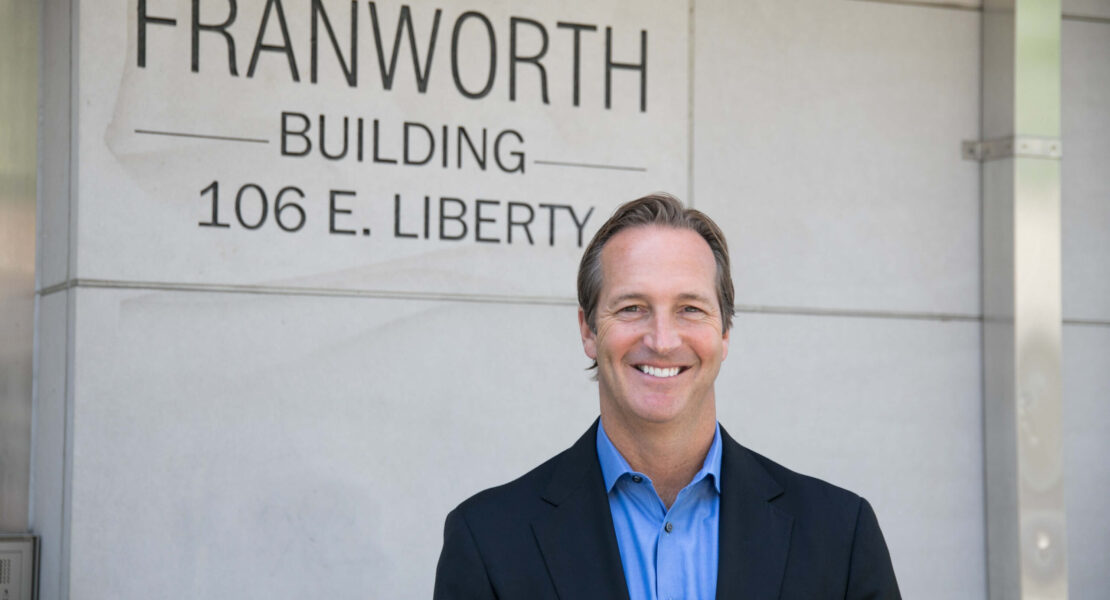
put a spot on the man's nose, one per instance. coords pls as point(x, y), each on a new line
point(663, 336)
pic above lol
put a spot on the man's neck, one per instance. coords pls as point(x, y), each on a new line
point(669, 454)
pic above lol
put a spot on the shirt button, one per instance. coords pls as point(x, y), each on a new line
point(637, 479)
point(669, 527)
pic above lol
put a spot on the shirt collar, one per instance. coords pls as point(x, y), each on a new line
point(613, 464)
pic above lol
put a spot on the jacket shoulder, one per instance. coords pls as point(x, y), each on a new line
point(523, 498)
point(492, 532)
point(500, 502)
point(831, 526)
point(811, 499)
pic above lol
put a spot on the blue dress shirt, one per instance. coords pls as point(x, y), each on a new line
point(666, 554)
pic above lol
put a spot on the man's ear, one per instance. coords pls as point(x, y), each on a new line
point(724, 342)
point(589, 338)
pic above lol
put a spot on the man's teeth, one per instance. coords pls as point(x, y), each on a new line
point(659, 372)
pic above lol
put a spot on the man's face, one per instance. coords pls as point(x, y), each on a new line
point(659, 341)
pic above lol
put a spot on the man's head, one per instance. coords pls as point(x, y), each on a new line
point(666, 211)
point(656, 306)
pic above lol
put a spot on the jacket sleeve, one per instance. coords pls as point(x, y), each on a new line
point(870, 574)
point(461, 574)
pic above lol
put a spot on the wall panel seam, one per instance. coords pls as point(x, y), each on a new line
point(1086, 19)
point(72, 138)
point(803, 311)
point(921, 4)
point(1087, 322)
point(967, 8)
point(300, 291)
point(807, 311)
point(691, 47)
point(66, 536)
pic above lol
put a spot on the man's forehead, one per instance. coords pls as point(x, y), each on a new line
point(644, 246)
point(642, 237)
point(653, 260)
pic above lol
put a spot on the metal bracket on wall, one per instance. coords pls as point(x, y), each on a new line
point(1010, 147)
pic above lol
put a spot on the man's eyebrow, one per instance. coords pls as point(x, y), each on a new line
point(693, 296)
point(685, 296)
point(628, 296)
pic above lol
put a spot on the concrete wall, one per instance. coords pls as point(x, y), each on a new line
point(1085, 42)
point(826, 140)
point(252, 413)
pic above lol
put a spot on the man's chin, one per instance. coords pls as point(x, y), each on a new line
point(658, 412)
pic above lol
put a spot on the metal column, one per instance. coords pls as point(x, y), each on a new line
point(18, 130)
point(1026, 549)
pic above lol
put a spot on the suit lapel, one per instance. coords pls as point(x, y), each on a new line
point(576, 537)
point(754, 535)
point(580, 548)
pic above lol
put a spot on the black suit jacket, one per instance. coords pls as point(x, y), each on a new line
point(550, 535)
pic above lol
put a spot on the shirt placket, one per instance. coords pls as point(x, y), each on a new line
point(670, 567)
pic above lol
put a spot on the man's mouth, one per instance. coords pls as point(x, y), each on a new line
point(660, 372)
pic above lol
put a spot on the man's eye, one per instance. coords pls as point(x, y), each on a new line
point(691, 309)
point(631, 309)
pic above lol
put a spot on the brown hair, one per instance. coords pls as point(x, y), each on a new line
point(656, 209)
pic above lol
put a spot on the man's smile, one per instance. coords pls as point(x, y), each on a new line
point(660, 372)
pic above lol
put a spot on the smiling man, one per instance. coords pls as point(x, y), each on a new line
point(656, 501)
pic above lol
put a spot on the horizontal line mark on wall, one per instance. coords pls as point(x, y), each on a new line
point(491, 299)
point(1088, 322)
point(919, 3)
point(1087, 19)
point(300, 291)
point(495, 299)
point(560, 163)
point(204, 136)
point(57, 287)
point(967, 8)
point(867, 314)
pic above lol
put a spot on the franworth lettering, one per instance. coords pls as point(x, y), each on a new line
point(532, 46)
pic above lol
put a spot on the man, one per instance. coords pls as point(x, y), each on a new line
point(656, 501)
